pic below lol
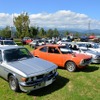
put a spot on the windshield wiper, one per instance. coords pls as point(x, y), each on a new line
point(12, 60)
point(23, 58)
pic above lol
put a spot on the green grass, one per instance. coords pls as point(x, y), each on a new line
point(80, 85)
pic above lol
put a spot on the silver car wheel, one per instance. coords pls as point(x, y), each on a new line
point(13, 83)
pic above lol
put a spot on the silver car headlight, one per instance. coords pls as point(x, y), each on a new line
point(29, 79)
point(34, 78)
point(55, 70)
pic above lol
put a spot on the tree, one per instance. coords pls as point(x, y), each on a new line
point(22, 25)
point(33, 31)
point(55, 33)
point(66, 33)
point(6, 32)
point(77, 35)
point(50, 33)
point(42, 33)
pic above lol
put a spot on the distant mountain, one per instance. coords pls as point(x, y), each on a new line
point(95, 31)
point(61, 31)
point(81, 31)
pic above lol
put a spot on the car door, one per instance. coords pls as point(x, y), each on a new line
point(55, 56)
point(1, 67)
point(42, 52)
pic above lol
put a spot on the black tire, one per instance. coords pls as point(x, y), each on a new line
point(13, 83)
point(70, 66)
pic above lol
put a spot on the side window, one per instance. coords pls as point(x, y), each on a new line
point(44, 49)
point(1, 42)
point(0, 55)
point(53, 50)
point(56, 51)
point(75, 47)
point(50, 50)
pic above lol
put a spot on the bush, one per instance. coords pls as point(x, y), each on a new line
point(19, 43)
point(17, 40)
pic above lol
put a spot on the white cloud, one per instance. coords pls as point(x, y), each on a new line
point(60, 19)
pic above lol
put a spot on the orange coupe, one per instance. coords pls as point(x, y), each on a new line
point(62, 56)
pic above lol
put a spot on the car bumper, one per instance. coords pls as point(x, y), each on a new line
point(87, 62)
point(44, 82)
point(96, 61)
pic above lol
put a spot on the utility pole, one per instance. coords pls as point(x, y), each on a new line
point(89, 26)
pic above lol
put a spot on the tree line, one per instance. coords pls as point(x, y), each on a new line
point(23, 29)
point(21, 25)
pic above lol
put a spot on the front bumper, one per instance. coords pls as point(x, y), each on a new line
point(86, 62)
point(96, 61)
point(38, 84)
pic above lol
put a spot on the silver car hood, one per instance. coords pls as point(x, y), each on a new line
point(33, 66)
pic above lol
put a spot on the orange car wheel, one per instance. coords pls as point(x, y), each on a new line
point(70, 66)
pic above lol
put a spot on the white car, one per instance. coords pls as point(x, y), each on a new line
point(90, 45)
point(95, 55)
point(7, 43)
point(38, 42)
point(34, 43)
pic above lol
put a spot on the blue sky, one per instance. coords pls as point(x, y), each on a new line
point(83, 10)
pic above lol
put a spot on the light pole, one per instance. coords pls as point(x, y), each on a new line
point(89, 26)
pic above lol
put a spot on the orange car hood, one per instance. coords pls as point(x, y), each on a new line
point(81, 55)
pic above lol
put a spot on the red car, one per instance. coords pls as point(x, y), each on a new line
point(26, 40)
point(62, 56)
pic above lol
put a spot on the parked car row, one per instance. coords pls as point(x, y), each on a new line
point(88, 48)
point(27, 71)
point(89, 45)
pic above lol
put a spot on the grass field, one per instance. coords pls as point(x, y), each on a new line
point(80, 85)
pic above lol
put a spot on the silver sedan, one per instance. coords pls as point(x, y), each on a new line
point(23, 71)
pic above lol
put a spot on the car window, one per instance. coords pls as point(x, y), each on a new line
point(65, 50)
point(81, 45)
point(95, 46)
point(9, 43)
point(16, 54)
point(84, 49)
point(1, 42)
point(74, 47)
point(0, 55)
point(89, 46)
point(44, 49)
point(53, 50)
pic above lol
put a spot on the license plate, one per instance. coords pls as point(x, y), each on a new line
point(48, 82)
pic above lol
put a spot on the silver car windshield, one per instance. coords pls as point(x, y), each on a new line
point(17, 54)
